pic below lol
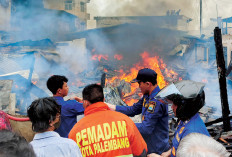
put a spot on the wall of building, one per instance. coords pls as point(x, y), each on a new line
point(113, 21)
point(5, 13)
point(75, 7)
point(171, 21)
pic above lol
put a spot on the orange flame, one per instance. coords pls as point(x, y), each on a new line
point(99, 57)
point(205, 80)
point(118, 57)
point(34, 82)
point(154, 63)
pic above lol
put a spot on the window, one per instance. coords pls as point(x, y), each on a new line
point(82, 6)
point(68, 4)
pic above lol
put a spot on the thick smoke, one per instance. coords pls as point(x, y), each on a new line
point(189, 8)
point(205, 73)
point(139, 8)
point(37, 30)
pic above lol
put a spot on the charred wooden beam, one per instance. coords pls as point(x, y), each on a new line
point(103, 80)
point(222, 78)
point(217, 121)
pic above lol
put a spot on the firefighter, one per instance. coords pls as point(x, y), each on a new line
point(187, 98)
point(154, 126)
point(103, 132)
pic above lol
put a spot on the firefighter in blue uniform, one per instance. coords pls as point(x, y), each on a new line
point(187, 98)
point(154, 126)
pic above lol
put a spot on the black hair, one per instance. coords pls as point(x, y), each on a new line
point(55, 82)
point(14, 145)
point(186, 108)
point(42, 112)
point(93, 93)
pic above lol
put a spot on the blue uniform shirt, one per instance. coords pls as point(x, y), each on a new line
point(195, 124)
point(154, 126)
point(69, 111)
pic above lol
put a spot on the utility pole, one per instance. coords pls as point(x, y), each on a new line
point(200, 16)
point(222, 78)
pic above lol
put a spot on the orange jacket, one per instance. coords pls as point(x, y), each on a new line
point(107, 133)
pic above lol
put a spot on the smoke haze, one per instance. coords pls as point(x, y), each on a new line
point(189, 8)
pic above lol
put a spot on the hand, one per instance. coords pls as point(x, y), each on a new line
point(153, 155)
point(167, 153)
point(78, 99)
point(112, 107)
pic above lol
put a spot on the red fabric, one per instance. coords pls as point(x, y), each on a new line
point(107, 133)
point(4, 121)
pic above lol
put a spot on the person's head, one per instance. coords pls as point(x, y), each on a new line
point(57, 84)
point(199, 145)
point(91, 94)
point(147, 79)
point(13, 145)
point(44, 114)
point(187, 98)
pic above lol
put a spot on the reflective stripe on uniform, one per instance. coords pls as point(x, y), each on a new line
point(126, 155)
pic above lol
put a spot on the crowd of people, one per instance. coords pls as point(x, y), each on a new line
point(106, 129)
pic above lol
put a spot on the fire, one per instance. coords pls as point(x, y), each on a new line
point(99, 57)
point(156, 63)
point(34, 82)
point(205, 80)
point(118, 57)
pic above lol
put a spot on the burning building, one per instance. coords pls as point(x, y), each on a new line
point(120, 51)
point(119, 47)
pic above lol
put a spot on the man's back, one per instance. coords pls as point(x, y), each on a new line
point(69, 111)
point(107, 133)
point(51, 144)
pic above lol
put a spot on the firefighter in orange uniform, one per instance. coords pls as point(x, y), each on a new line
point(103, 132)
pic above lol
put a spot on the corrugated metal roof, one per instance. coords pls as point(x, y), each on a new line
point(8, 65)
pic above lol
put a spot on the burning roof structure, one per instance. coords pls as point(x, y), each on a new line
point(129, 39)
point(120, 51)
